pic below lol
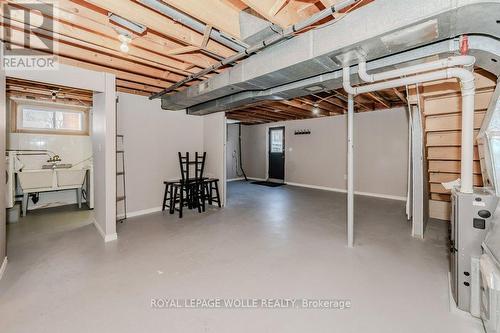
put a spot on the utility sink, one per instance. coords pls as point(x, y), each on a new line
point(36, 179)
point(67, 177)
point(39, 181)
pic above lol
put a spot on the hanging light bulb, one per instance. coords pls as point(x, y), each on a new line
point(124, 47)
point(125, 39)
point(315, 109)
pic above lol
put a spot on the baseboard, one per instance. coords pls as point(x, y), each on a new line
point(257, 179)
point(340, 190)
point(3, 267)
point(107, 238)
point(243, 178)
point(234, 179)
point(144, 211)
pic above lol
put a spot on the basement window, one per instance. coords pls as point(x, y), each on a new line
point(45, 119)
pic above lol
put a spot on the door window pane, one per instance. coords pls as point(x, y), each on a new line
point(277, 141)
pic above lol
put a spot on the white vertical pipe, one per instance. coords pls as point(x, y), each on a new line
point(467, 150)
point(350, 171)
point(467, 83)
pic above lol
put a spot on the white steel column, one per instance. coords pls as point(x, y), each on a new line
point(350, 171)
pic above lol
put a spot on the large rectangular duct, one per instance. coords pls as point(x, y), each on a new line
point(318, 54)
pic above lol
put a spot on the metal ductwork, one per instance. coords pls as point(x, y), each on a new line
point(194, 24)
point(313, 61)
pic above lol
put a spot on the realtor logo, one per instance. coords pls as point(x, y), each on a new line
point(28, 32)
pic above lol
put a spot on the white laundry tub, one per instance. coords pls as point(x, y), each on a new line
point(35, 179)
point(67, 177)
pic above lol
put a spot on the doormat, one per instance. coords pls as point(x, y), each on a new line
point(269, 184)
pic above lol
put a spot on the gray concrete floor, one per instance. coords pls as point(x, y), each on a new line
point(284, 242)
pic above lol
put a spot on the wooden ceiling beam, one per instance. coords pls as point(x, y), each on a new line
point(25, 84)
point(291, 13)
point(377, 98)
point(160, 23)
point(137, 86)
point(263, 115)
point(343, 97)
point(132, 91)
point(69, 50)
point(76, 13)
point(307, 107)
point(248, 117)
point(216, 13)
point(400, 95)
point(86, 38)
point(39, 97)
point(292, 108)
point(236, 4)
point(269, 115)
point(46, 92)
point(334, 101)
point(282, 110)
point(322, 104)
point(278, 5)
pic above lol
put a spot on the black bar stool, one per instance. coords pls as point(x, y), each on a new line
point(186, 191)
point(210, 185)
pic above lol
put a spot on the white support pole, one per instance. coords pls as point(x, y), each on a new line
point(350, 171)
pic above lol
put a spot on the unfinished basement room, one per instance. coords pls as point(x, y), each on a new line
point(250, 166)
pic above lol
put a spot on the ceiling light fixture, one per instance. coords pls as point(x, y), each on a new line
point(315, 109)
point(125, 39)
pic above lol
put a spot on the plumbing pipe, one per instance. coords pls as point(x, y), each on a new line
point(194, 24)
point(287, 33)
point(467, 84)
point(350, 171)
point(466, 61)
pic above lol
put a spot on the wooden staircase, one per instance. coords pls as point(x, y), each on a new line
point(441, 107)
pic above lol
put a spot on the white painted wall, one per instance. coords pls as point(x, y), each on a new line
point(319, 159)
point(153, 137)
point(214, 144)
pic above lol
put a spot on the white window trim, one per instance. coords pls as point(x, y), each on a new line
point(19, 105)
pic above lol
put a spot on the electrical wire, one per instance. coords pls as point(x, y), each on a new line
point(239, 146)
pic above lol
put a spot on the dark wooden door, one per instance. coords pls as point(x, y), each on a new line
point(277, 153)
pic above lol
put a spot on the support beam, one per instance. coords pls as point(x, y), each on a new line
point(79, 16)
point(400, 95)
point(278, 5)
point(162, 24)
point(218, 14)
point(283, 18)
point(376, 97)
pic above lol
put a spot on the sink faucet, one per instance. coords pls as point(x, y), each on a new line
point(53, 160)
